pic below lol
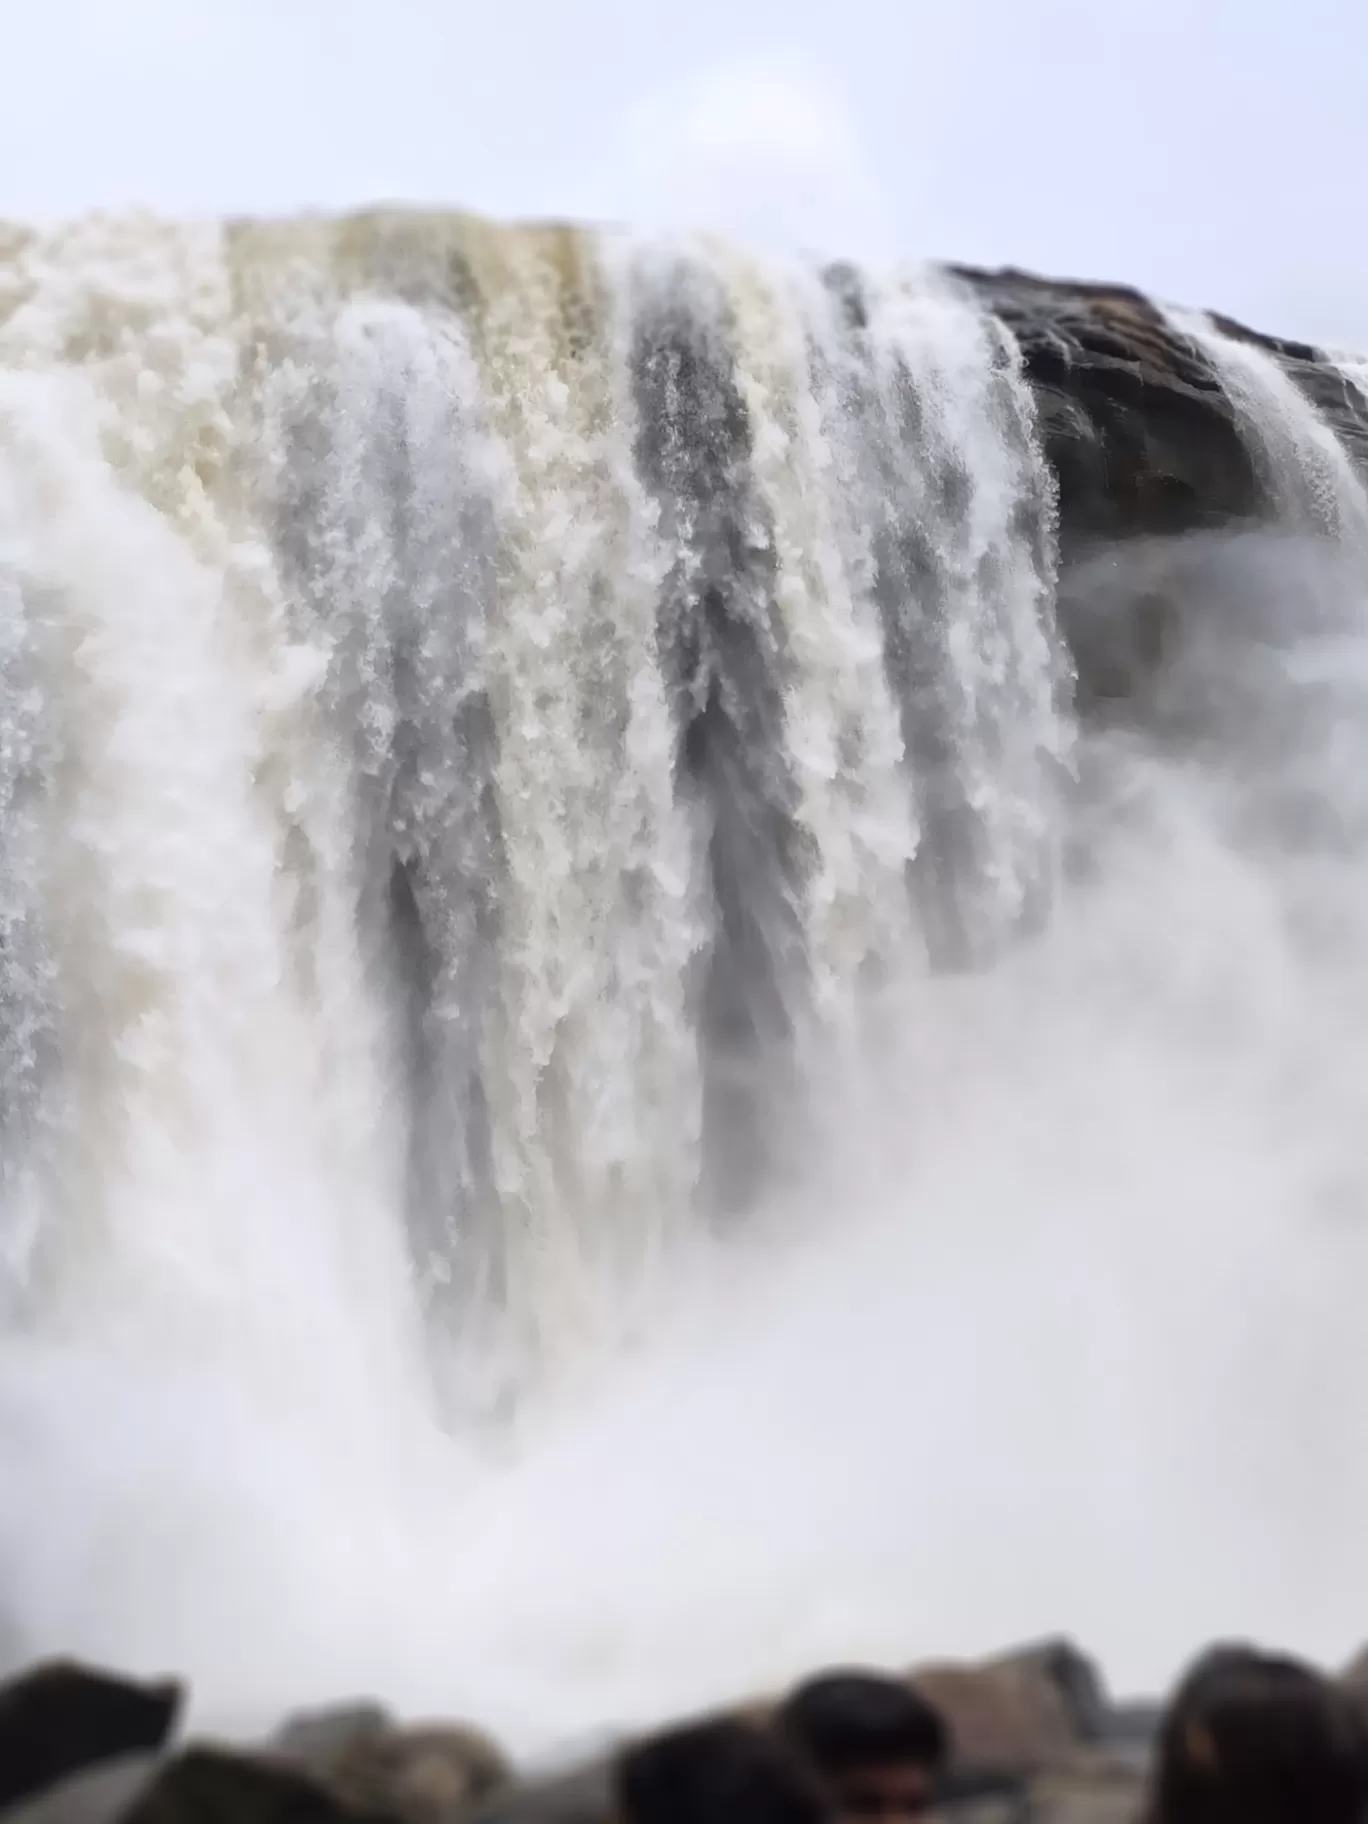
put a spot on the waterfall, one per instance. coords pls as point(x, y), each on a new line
point(486, 711)
point(605, 1091)
point(1305, 470)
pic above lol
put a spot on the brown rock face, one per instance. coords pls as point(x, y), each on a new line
point(1137, 428)
point(1148, 449)
point(420, 1775)
point(1354, 1680)
point(414, 1775)
point(209, 1785)
point(1141, 434)
point(1020, 1715)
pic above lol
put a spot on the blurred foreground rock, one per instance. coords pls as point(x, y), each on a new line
point(427, 1774)
point(1019, 1715)
point(60, 1719)
point(1039, 1740)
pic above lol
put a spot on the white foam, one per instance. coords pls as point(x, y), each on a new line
point(1062, 1331)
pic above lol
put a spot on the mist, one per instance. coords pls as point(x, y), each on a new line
point(1066, 1336)
point(1054, 135)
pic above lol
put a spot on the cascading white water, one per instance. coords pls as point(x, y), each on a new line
point(1305, 468)
point(963, 559)
point(500, 730)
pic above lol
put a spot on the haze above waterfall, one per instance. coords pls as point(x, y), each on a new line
point(1060, 135)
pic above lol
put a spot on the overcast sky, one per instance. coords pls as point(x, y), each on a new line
point(1215, 151)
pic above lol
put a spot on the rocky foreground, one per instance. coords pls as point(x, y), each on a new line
point(1038, 1740)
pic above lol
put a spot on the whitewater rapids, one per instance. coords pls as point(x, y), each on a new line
point(602, 1095)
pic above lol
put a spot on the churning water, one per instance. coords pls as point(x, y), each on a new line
point(600, 1094)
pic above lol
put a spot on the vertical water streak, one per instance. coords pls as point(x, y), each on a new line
point(27, 1014)
point(192, 1199)
point(842, 732)
point(166, 959)
point(1309, 478)
point(386, 548)
point(951, 481)
point(723, 660)
point(594, 1090)
point(599, 644)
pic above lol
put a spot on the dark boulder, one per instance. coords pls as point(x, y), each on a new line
point(209, 1785)
point(1138, 429)
point(1141, 434)
point(425, 1774)
point(320, 1741)
point(1018, 1716)
point(63, 1717)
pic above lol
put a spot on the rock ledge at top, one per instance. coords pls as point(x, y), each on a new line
point(1137, 426)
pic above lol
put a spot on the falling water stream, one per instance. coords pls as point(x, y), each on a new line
point(600, 1093)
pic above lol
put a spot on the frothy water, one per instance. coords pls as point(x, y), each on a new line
point(1304, 467)
point(602, 1096)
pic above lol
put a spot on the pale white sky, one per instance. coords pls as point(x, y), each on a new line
point(1212, 150)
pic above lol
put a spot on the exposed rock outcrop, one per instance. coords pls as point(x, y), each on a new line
point(1022, 1714)
point(1038, 1738)
point(428, 1774)
point(210, 1785)
point(61, 1718)
point(1138, 428)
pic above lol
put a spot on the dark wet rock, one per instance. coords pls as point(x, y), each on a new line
point(425, 1775)
point(321, 1740)
point(415, 1775)
point(209, 1785)
point(1075, 1677)
point(1354, 1680)
point(1138, 429)
point(62, 1718)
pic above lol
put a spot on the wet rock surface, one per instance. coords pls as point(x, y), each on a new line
point(427, 1774)
point(1138, 428)
point(61, 1718)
